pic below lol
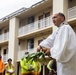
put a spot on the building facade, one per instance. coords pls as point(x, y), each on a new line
point(24, 29)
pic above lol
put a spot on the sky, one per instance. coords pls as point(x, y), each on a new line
point(9, 6)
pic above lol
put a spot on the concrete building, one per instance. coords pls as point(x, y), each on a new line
point(24, 29)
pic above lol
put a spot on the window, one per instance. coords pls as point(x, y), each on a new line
point(4, 51)
point(31, 23)
point(0, 31)
point(47, 19)
point(40, 23)
point(5, 31)
point(0, 50)
point(47, 14)
point(5, 34)
point(44, 20)
point(0, 34)
point(30, 43)
point(30, 19)
point(39, 41)
point(40, 17)
point(19, 46)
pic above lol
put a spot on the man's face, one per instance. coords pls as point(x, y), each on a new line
point(57, 19)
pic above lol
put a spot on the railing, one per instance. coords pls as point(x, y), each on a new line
point(35, 26)
point(5, 57)
point(22, 53)
point(72, 12)
point(4, 37)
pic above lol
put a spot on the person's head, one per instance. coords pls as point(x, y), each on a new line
point(26, 54)
point(9, 60)
point(58, 18)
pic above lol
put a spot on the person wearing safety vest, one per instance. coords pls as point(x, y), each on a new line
point(1, 66)
point(26, 66)
point(37, 67)
point(52, 67)
point(9, 68)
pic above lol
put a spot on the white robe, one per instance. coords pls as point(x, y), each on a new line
point(62, 44)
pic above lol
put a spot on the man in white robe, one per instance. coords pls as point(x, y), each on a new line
point(61, 45)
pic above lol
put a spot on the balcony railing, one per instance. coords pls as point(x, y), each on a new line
point(22, 53)
point(35, 26)
point(72, 12)
point(4, 37)
point(5, 57)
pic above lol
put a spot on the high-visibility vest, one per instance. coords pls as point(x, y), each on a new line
point(9, 69)
point(49, 65)
point(25, 66)
point(52, 65)
point(37, 67)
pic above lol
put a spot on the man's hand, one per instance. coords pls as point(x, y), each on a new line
point(44, 49)
point(38, 49)
point(47, 52)
point(30, 68)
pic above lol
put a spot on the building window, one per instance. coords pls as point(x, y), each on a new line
point(5, 34)
point(4, 51)
point(40, 23)
point(40, 17)
point(30, 23)
point(47, 14)
point(39, 41)
point(30, 19)
point(19, 46)
point(47, 19)
point(0, 50)
point(30, 43)
point(0, 34)
point(44, 20)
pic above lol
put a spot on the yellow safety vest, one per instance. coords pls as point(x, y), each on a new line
point(37, 67)
point(25, 66)
point(9, 69)
point(48, 66)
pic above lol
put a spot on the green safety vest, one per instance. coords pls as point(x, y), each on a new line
point(49, 65)
point(25, 65)
point(37, 66)
point(8, 69)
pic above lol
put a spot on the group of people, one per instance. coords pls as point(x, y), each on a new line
point(60, 45)
point(8, 68)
